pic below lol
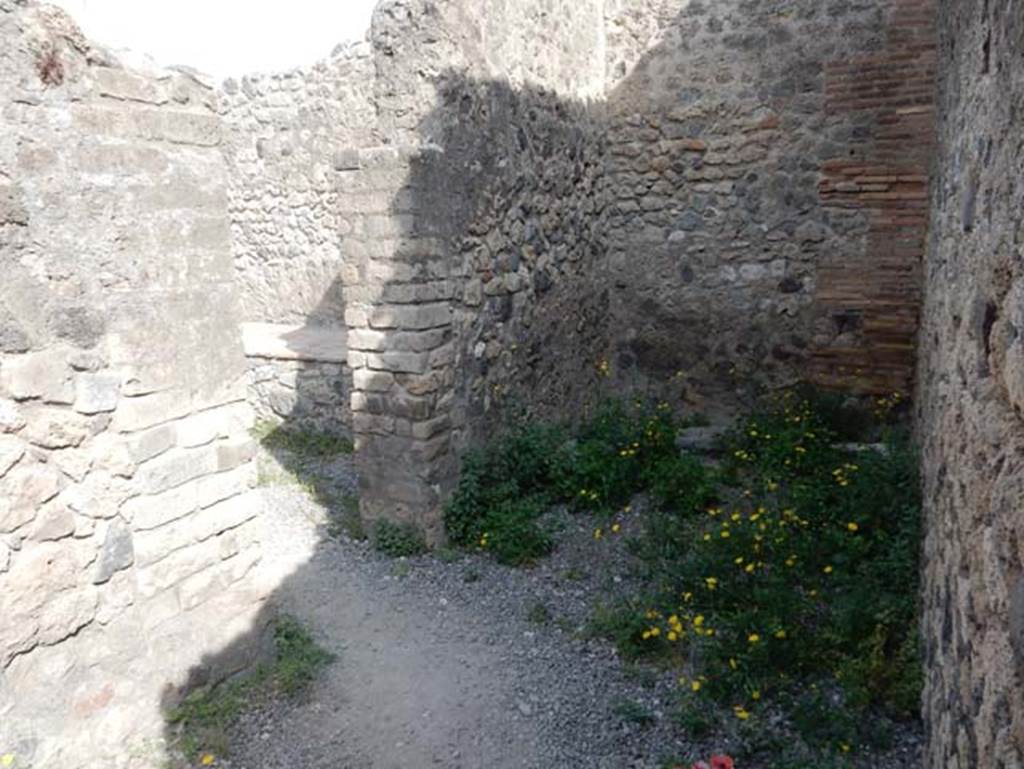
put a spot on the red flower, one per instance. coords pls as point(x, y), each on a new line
point(721, 761)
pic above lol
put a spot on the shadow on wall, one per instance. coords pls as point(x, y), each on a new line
point(478, 276)
point(300, 450)
point(472, 283)
point(475, 286)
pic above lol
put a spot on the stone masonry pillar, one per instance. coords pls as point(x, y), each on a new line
point(398, 284)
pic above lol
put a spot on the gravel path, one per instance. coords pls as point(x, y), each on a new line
point(453, 664)
point(457, 663)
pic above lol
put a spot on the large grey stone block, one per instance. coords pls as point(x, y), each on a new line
point(11, 450)
point(24, 490)
point(11, 418)
point(117, 553)
point(96, 393)
point(411, 317)
point(176, 467)
point(45, 375)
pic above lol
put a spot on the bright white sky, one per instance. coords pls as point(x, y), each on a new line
point(224, 37)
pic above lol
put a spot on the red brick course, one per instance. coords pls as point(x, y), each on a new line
point(885, 174)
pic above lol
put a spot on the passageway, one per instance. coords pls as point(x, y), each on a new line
point(453, 662)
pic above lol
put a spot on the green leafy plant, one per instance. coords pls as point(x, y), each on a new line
point(538, 614)
point(506, 486)
point(799, 580)
point(634, 713)
point(398, 539)
point(203, 719)
point(782, 584)
point(306, 443)
point(344, 516)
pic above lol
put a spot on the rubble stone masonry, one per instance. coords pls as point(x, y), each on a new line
point(484, 208)
point(971, 396)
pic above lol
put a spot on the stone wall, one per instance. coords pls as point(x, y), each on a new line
point(701, 195)
point(282, 133)
point(519, 126)
point(475, 211)
point(468, 238)
point(971, 395)
point(128, 538)
point(531, 318)
point(299, 375)
point(767, 162)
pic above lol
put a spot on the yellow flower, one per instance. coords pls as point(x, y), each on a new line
point(627, 508)
point(780, 634)
point(687, 596)
point(695, 686)
point(655, 632)
point(711, 582)
point(725, 534)
point(707, 537)
point(598, 534)
point(749, 568)
point(755, 695)
point(844, 747)
point(615, 528)
point(827, 569)
point(738, 561)
point(672, 635)
point(698, 620)
point(646, 634)
point(733, 663)
point(741, 714)
point(852, 526)
point(753, 638)
point(207, 759)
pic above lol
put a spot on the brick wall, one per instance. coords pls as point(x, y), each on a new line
point(768, 165)
point(882, 172)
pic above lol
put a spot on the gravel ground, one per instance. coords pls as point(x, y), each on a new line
point(453, 663)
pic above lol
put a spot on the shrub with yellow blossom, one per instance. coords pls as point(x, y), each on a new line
point(506, 486)
point(804, 571)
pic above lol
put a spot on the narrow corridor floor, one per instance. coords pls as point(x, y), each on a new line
point(455, 663)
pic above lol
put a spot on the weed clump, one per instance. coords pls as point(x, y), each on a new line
point(506, 487)
point(398, 539)
point(792, 600)
point(204, 717)
point(780, 583)
point(309, 444)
